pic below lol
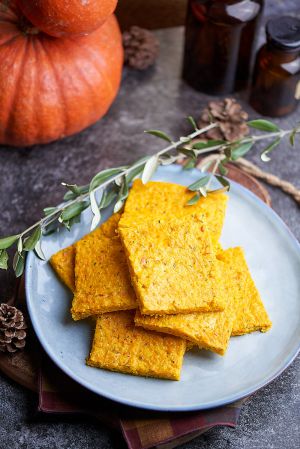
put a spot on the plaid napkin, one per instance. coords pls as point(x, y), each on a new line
point(141, 429)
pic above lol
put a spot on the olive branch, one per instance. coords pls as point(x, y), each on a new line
point(113, 183)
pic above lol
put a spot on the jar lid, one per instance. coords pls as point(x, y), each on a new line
point(284, 33)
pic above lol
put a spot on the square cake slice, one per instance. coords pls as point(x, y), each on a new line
point(173, 266)
point(244, 312)
point(210, 330)
point(120, 346)
point(63, 262)
point(166, 200)
point(249, 310)
point(102, 281)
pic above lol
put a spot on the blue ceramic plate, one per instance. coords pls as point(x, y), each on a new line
point(207, 380)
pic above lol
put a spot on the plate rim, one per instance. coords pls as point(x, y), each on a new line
point(162, 408)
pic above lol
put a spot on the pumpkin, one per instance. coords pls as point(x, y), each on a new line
point(49, 87)
point(64, 17)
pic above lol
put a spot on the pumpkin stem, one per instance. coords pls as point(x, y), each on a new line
point(27, 27)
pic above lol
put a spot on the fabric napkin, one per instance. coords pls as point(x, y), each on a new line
point(141, 429)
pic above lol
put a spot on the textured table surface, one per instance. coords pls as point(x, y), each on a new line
point(30, 180)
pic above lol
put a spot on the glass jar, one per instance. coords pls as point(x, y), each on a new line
point(276, 81)
point(219, 42)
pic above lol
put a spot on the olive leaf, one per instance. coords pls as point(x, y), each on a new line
point(49, 210)
point(73, 210)
point(188, 153)
point(95, 210)
point(223, 181)
point(240, 150)
point(160, 134)
point(200, 183)
point(264, 155)
point(189, 164)
point(72, 187)
point(133, 174)
point(3, 259)
point(6, 242)
point(19, 263)
point(31, 241)
point(194, 200)
point(20, 245)
point(192, 122)
point(123, 193)
point(150, 168)
point(222, 169)
point(38, 250)
point(107, 198)
point(208, 144)
point(103, 176)
point(71, 195)
point(263, 125)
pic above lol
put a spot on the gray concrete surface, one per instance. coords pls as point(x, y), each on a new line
point(30, 180)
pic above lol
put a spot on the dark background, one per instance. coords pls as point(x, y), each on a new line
point(30, 180)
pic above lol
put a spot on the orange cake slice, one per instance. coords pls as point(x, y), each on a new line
point(249, 310)
point(119, 345)
point(63, 262)
point(244, 312)
point(173, 266)
point(165, 200)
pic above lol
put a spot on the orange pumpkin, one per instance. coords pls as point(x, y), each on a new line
point(64, 17)
point(52, 88)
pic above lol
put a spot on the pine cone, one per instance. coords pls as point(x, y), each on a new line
point(12, 329)
point(231, 118)
point(140, 47)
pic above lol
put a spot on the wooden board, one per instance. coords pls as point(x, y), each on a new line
point(23, 367)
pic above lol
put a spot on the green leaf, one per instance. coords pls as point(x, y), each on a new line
point(192, 122)
point(73, 210)
point(222, 169)
point(73, 221)
point(203, 191)
point(95, 210)
point(228, 152)
point(123, 193)
point(103, 176)
point(3, 259)
point(160, 134)
point(194, 200)
point(49, 210)
point(118, 206)
point(107, 198)
point(20, 245)
point(38, 250)
point(209, 144)
point(200, 183)
point(189, 164)
point(150, 168)
point(72, 187)
point(263, 125)
point(223, 181)
point(264, 155)
point(18, 264)
point(134, 173)
point(187, 152)
point(81, 191)
point(240, 150)
point(6, 242)
point(293, 134)
point(31, 241)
